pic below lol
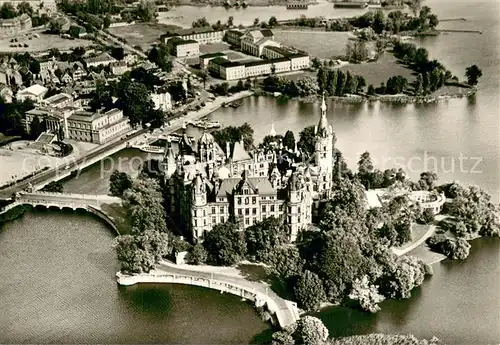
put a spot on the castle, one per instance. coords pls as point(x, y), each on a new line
point(206, 185)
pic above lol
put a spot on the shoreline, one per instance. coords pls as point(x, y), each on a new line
point(398, 99)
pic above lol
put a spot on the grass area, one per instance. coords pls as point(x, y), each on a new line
point(319, 44)
point(43, 42)
point(142, 34)
point(117, 212)
point(424, 253)
point(417, 231)
point(213, 48)
point(379, 71)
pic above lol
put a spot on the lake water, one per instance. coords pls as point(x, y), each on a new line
point(57, 274)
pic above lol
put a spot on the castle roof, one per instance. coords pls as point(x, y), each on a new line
point(206, 138)
point(239, 153)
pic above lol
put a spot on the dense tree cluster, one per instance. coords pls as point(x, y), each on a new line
point(11, 116)
point(225, 244)
point(160, 55)
point(453, 248)
point(150, 240)
point(53, 187)
point(304, 86)
point(308, 330)
point(338, 83)
point(233, 134)
point(395, 22)
point(119, 182)
point(383, 339)
point(356, 51)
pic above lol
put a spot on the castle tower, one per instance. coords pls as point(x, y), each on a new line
point(198, 210)
point(323, 151)
point(169, 164)
point(206, 148)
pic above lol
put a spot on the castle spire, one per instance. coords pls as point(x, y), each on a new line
point(322, 128)
point(273, 131)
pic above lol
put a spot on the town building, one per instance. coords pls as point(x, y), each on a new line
point(44, 6)
point(97, 127)
point(119, 68)
point(162, 100)
point(206, 185)
point(60, 100)
point(34, 92)
point(182, 48)
point(78, 124)
point(225, 69)
point(205, 58)
point(203, 35)
point(6, 93)
point(103, 59)
point(233, 37)
point(15, 26)
point(254, 41)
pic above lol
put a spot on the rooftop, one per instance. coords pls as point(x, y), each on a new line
point(209, 55)
point(35, 89)
point(190, 31)
point(104, 57)
point(57, 99)
point(177, 41)
point(283, 51)
point(225, 62)
point(258, 63)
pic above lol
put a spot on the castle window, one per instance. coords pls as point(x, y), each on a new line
point(245, 191)
point(222, 219)
point(254, 220)
point(204, 213)
point(263, 208)
point(247, 211)
point(204, 222)
point(254, 211)
point(247, 221)
point(247, 201)
point(240, 212)
point(213, 220)
point(280, 207)
point(196, 222)
point(254, 200)
point(221, 209)
point(324, 178)
point(324, 148)
point(272, 208)
point(239, 200)
point(213, 210)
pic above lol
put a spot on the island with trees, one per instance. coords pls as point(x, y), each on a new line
point(346, 258)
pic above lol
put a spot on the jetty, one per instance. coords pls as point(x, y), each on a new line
point(285, 312)
point(459, 30)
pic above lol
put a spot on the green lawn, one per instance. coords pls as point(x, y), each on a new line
point(319, 44)
point(142, 34)
point(379, 71)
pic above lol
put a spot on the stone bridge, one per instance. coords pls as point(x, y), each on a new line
point(90, 203)
point(285, 311)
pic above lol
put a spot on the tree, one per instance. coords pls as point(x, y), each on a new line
point(144, 205)
point(366, 294)
point(306, 141)
point(311, 331)
point(261, 238)
point(256, 22)
point(273, 22)
point(55, 26)
point(74, 31)
point(37, 127)
point(371, 90)
point(230, 21)
point(146, 10)
point(473, 73)
point(407, 273)
point(53, 187)
point(233, 134)
point(289, 140)
point(135, 101)
point(285, 262)
point(119, 182)
point(419, 85)
point(118, 53)
point(224, 244)
point(365, 169)
point(25, 7)
point(106, 22)
point(315, 63)
point(309, 292)
point(204, 77)
point(7, 11)
point(197, 255)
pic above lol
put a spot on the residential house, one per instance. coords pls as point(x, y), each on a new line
point(119, 68)
point(162, 100)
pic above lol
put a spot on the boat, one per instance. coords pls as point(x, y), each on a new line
point(206, 124)
point(235, 104)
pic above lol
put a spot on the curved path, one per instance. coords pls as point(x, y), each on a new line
point(286, 311)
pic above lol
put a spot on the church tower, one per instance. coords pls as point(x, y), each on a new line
point(169, 164)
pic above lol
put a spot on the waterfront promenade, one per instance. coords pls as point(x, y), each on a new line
point(285, 311)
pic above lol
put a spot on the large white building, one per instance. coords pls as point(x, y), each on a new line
point(35, 92)
point(182, 48)
point(207, 185)
point(81, 125)
point(202, 35)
